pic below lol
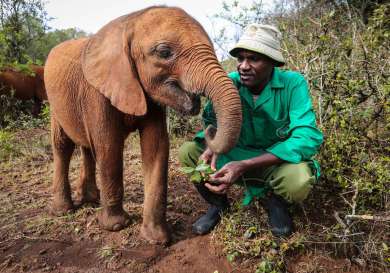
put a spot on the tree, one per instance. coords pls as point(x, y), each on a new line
point(231, 21)
point(22, 23)
point(41, 48)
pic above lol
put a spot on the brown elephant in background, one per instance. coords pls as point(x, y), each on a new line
point(25, 86)
point(119, 80)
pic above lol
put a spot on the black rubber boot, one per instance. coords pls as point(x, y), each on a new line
point(218, 204)
point(279, 218)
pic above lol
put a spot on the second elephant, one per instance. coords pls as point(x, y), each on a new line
point(25, 86)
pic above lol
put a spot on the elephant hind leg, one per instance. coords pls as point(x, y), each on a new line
point(63, 148)
point(86, 189)
point(37, 107)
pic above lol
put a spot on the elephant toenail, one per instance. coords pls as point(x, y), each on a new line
point(116, 227)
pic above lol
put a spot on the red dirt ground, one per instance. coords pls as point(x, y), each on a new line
point(33, 241)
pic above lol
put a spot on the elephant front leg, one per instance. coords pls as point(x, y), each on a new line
point(155, 151)
point(110, 161)
point(62, 152)
point(86, 190)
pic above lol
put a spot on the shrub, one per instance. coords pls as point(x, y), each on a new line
point(347, 65)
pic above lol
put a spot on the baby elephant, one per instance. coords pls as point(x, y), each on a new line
point(118, 81)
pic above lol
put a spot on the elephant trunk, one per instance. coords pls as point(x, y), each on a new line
point(227, 107)
point(212, 79)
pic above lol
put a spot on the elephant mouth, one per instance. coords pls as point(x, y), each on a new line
point(187, 103)
point(194, 108)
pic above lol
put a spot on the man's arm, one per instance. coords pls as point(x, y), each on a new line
point(302, 143)
point(304, 138)
point(229, 173)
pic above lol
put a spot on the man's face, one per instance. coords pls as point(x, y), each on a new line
point(255, 69)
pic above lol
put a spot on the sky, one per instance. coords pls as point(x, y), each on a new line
point(91, 15)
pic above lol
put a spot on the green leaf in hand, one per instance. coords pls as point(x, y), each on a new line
point(202, 167)
point(199, 174)
point(187, 170)
point(196, 177)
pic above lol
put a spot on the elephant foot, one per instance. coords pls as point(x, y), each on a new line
point(155, 234)
point(61, 207)
point(87, 197)
point(113, 218)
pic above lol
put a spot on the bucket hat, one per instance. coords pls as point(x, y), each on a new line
point(263, 39)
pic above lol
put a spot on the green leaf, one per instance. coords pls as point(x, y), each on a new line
point(385, 247)
point(196, 177)
point(202, 167)
point(209, 171)
point(250, 232)
point(187, 170)
point(231, 257)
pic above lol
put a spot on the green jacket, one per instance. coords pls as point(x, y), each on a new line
point(281, 121)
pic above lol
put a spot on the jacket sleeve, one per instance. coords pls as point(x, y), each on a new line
point(208, 115)
point(304, 138)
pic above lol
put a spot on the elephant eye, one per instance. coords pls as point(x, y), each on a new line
point(164, 51)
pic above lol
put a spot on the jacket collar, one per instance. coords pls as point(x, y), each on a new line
point(266, 94)
point(275, 82)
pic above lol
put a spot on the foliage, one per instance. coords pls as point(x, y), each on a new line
point(25, 40)
point(346, 61)
point(245, 236)
point(11, 109)
point(22, 23)
point(179, 125)
point(16, 114)
point(6, 143)
point(234, 17)
point(199, 174)
point(347, 66)
point(50, 39)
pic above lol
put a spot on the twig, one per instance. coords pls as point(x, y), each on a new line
point(349, 235)
point(46, 239)
point(341, 222)
point(368, 217)
point(21, 236)
point(314, 21)
point(334, 242)
point(354, 197)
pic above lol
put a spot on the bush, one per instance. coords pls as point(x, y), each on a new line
point(6, 144)
point(345, 63)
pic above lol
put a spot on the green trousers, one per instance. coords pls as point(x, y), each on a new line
point(291, 181)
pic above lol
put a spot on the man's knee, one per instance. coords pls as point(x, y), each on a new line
point(189, 153)
point(296, 182)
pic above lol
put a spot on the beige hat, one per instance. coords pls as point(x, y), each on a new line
point(264, 39)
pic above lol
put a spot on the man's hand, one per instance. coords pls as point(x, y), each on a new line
point(209, 157)
point(226, 176)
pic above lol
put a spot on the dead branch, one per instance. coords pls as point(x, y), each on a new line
point(368, 217)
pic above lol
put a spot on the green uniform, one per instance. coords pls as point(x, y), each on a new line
point(280, 121)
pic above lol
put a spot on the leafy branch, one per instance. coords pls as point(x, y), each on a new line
point(199, 174)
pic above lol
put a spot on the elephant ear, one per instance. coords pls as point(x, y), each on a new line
point(107, 65)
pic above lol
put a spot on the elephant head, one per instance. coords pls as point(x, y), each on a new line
point(165, 54)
